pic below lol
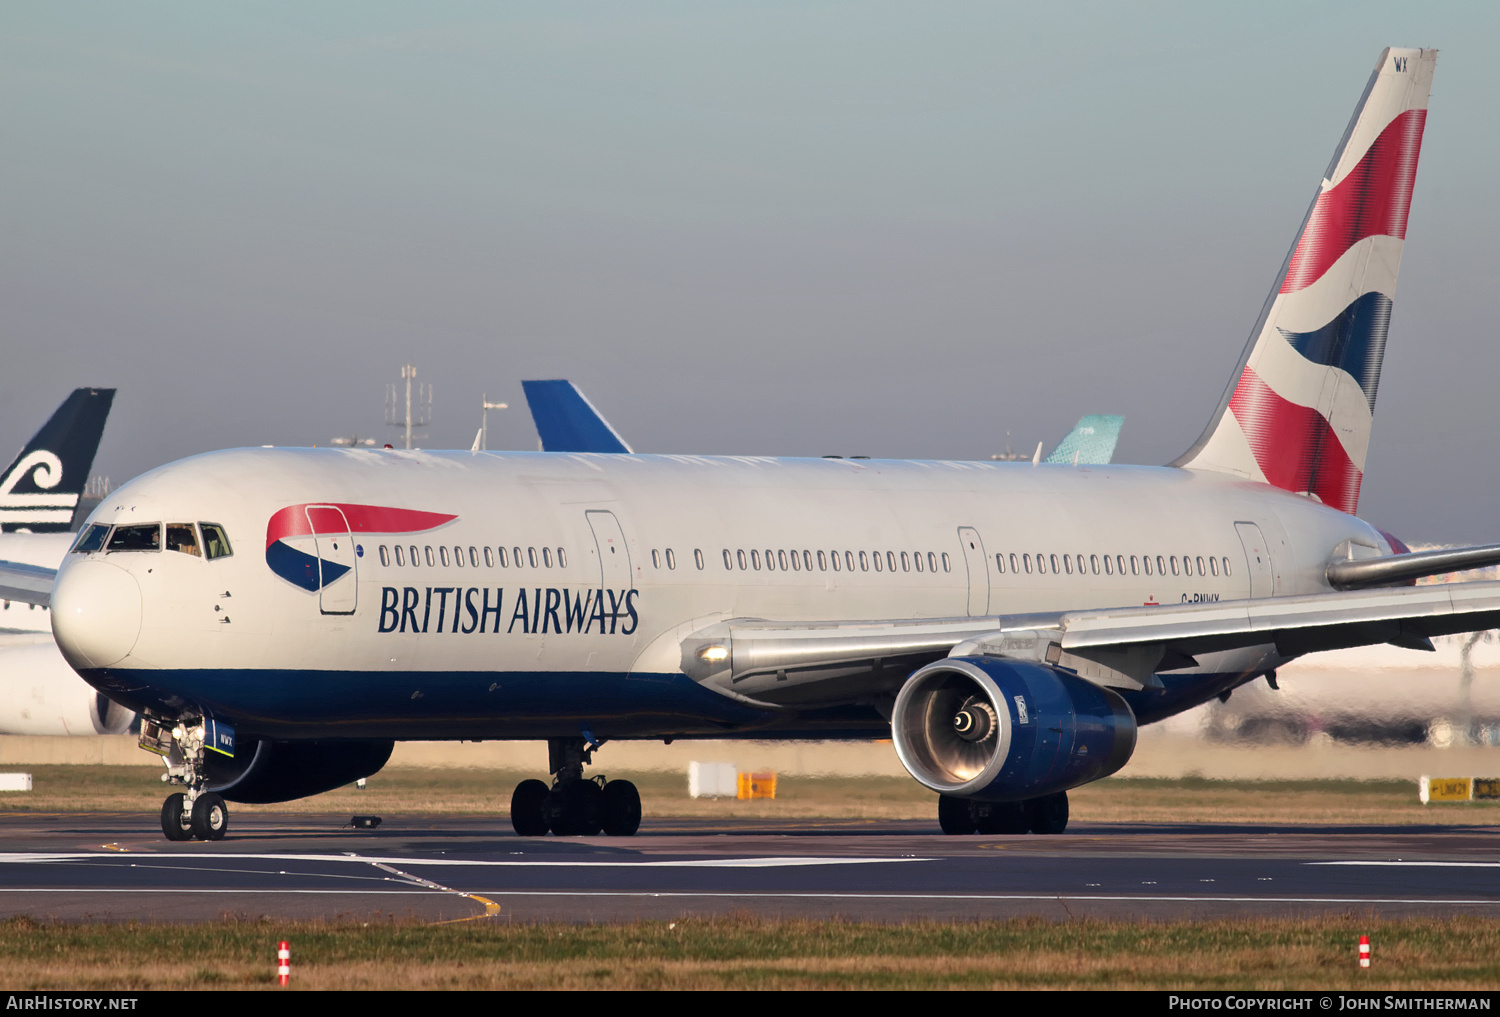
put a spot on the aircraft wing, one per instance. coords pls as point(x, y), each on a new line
point(26, 584)
point(1120, 647)
point(567, 422)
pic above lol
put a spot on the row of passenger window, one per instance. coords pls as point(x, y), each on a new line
point(514, 557)
point(837, 561)
point(181, 537)
point(1111, 565)
point(670, 558)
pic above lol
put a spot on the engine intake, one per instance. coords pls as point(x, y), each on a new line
point(1000, 730)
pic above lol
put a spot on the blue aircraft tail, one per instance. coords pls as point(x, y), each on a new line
point(567, 422)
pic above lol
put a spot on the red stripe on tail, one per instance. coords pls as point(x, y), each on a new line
point(1294, 446)
point(1374, 199)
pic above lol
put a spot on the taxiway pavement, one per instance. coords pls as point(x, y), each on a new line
point(114, 867)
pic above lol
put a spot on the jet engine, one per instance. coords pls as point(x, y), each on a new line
point(41, 695)
point(994, 729)
point(262, 771)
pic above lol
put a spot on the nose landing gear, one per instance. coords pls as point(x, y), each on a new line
point(574, 806)
point(194, 814)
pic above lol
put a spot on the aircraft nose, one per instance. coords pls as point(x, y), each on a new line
point(96, 613)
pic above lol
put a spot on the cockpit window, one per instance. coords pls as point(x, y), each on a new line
point(91, 539)
point(215, 541)
point(182, 537)
point(145, 537)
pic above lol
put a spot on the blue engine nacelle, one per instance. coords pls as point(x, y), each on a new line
point(264, 772)
point(1001, 730)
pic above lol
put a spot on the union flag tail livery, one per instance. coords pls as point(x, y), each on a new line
point(1298, 411)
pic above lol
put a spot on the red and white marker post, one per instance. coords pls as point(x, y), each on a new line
point(1364, 951)
point(284, 961)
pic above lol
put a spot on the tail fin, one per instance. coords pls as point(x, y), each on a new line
point(567, 422)
point(1298, 409)
point(40, 489)
point(1090, 443)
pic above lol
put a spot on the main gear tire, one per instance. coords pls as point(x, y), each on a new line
point(621, 808)
point(574, 808)
point(1000, 818)
point(527, 815)
point(955, 815)
point(1048, 814)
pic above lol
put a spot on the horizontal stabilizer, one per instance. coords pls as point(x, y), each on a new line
point(567, 422)
point(26, 584)
point(1400, 568)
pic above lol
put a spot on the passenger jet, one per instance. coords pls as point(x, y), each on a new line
point(280, 617)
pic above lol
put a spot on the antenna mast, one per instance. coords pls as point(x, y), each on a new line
point(411, 417)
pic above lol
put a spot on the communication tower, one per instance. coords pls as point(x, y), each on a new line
point(415, 410)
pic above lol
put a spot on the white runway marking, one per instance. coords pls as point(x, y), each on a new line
point(1436, 865)
point(687, 863)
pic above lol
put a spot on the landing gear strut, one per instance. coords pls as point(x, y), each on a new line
point(575, 805)
point(194, 814)
point(1047, 814)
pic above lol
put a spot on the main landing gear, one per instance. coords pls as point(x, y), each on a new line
point(194, 814)
point(575, 805)
point(1047, 814)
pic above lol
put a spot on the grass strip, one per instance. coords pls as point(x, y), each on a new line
point(751, 953)
point(418, 791)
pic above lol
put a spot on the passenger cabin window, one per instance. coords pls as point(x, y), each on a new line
point(489, 558)
point(442, 555)
point(547, 557)
point(428, 555)
point(698, 558)
point(385, 556)
point(91, 539)
point(517, 552)
point(400, 558)
point(655, 559)
point(671, 558)
point(145, 537)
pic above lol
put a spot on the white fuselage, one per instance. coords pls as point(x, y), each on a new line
point(631, 554)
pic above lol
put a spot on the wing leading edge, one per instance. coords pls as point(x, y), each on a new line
point(1121, 647)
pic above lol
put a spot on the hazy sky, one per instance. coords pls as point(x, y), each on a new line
point(891, 229)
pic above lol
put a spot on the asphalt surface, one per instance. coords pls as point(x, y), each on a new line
point(117, 867)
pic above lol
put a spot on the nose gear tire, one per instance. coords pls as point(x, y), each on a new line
point(171, 818)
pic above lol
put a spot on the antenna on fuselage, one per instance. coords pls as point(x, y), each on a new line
point(405, 415)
